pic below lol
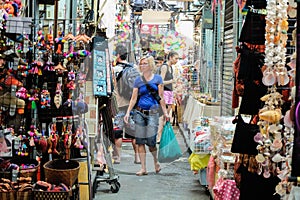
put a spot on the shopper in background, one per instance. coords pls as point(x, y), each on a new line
point(123, 103)
point(146, 116)
point(166, 72)
point(159, 62)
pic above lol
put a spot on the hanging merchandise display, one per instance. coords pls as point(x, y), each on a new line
point(268, 164)
point(43, 102)
point(99, 77)
point(102, 76)
point(174, 41)
point(272, 142)
point(122, 27)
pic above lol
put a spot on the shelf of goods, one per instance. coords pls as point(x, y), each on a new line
point(210, 143)
point(60, 180)
point(221, 164)
point(200, 146)
point(194, 110)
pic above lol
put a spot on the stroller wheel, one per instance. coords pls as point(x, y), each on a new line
point(115, 187)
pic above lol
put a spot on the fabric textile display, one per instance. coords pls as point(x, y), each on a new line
point(243, 139)
point(198, 161)
point(225, 189)
point(169, 149)
point(251, 61)
point(253, 30)
point(251, 102)
point(210, 172)
point(249, 72)
point(238, 89)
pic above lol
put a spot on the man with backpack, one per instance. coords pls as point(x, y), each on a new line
point(125, 75)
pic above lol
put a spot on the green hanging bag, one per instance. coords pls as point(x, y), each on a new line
point(169, 149)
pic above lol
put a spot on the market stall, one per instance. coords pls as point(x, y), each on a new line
point(256, 157)
point(48, 109)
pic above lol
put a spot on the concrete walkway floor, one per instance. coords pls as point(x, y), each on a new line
point(175, 180)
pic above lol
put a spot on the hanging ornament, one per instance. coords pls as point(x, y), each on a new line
point(45, 99)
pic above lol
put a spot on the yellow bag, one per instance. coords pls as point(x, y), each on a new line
point(198, 161)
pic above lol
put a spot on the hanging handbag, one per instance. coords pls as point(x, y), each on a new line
point(243, 139)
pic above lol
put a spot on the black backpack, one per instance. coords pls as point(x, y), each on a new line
point(125, 80)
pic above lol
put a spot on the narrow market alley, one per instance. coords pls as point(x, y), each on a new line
point(149, 100)
point(175, 180)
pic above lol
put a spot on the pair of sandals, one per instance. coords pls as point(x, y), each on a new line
point(135, 162)
point(143, 173)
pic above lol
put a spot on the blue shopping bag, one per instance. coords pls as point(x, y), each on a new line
point(169, 149)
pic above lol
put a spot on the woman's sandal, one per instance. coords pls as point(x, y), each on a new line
point(141, 173)
point(157, 170)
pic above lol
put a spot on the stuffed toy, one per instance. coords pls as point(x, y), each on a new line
point(45, 99)
point(9, 8)
point(59, 41)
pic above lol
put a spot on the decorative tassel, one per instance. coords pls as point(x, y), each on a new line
point(33, 105)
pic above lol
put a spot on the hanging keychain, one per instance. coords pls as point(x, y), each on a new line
point(13, 102)
point(50, 41)
point(45, 98)
point(58, 94)
point(32, 134)
point(68, 139)
point(78, 138)
point(59, 41)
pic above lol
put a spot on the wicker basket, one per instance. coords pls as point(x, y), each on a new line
point(42, 195)
point(61, 171)
point(8, 195)
point(24, 195)
point(32, 172)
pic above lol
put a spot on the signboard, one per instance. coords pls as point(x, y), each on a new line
point(156, 17)
point(149, 29)
point(207, 18)
point(99, 75)
point(101, 68)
